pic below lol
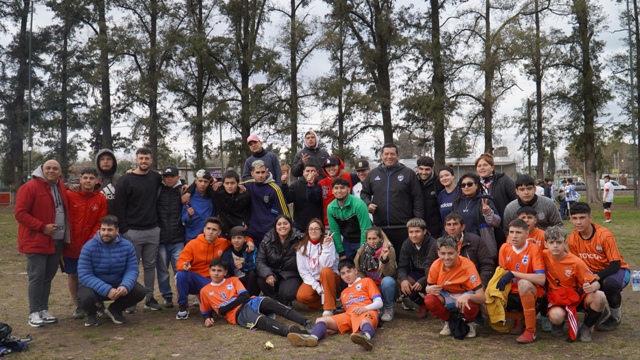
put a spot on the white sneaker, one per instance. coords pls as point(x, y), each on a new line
point(445, 330)
point(472, 330)
point(387, 314)
point(327, 313)
point(46, 316)
point(35, 320)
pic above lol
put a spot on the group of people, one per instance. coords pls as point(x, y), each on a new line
point(349, 244)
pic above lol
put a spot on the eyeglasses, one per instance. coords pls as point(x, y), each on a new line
point(315, 229)
point(467, 184)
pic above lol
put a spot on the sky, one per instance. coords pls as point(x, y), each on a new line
point(318, 65)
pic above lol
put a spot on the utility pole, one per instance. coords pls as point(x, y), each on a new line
point(634, 148)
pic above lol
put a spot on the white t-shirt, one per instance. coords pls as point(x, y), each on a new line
point(607, 196)
point(539, 190)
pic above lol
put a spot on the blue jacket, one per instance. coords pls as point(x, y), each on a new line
point(102, 266)
point(203, 207)
point(267, 202)
point(249, 260)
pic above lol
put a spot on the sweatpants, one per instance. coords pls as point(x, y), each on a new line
point(41, 270)
point(146, 243)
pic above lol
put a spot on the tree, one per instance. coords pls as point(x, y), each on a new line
point(459, 145)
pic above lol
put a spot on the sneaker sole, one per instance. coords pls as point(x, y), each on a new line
point(110, 315)
point(90, 324)
point(182, 318)
point(297, 340)
point(152, 308)
point(35, 325)
point(50, 321)
point(362, 341)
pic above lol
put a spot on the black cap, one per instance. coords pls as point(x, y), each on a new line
point(331, 160)
point(362, 164)
point(237, 231)
point(170, 170)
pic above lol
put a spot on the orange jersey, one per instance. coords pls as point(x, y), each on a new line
point(528, 260)
point(537, 237)
point(360, 293)
point(570, 272)
point(212, 297)
point(459, 279)
point(598, 251)
point(199, 253)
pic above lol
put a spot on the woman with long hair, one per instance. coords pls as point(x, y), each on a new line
point(278, 276)
point(376, 259)
point(318, 266)
point(478, 211)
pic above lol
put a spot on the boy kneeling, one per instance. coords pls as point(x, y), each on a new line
point(572, 287)
point(228, 298)
point(453, 285)
point(361, 300)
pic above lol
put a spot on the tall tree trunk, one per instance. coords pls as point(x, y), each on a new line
point(293, 108)
point(538, 77)
point(437, 83)
point(636, 22)
point(383, 40)
point(198, 126)
point(587, 94)
point(488, 82)
point(105, 109)
point(64, 105)
point(152, 79)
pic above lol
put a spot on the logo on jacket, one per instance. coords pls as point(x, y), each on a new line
point(94, 207)
point(567, 272)
point(265, 199)
point(599, 248)
point(473, 278)
point(400, 177)
point(377, 178)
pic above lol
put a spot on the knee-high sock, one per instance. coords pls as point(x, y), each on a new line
point(268, 306)
point(529, 310)
point(320, 330)
point(592, 317)
point(368, 329)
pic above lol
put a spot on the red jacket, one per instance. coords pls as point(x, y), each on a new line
point(35, 209)
point(327, 193)
point(86, 210)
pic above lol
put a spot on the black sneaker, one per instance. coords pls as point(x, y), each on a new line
point(100, 313)
point(168, 303)
point(295, 329)
point(183, 312)
point(92, 320)
point(610, 324)
point(152, 304)
point(131, 310)
point(557, 330)
point(116, 316)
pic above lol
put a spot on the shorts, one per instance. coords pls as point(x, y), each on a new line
point(606, 205)
point(248, 315)
point(449, 301)
point(69, 265)
point(350, 321)
point(580, 308)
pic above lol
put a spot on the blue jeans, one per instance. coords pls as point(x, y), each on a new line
point(189, 282)
point(350, 249)
point(563, 209)
point(388, 290)
point(167, 253)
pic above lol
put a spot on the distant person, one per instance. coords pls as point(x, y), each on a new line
point(42, 211)
point(107, 166)
point(258, 152)
point(310, 152)
point(540, 187)
point(393, 195)
point(572, 194)
point(108, 270)
point(607, 198)
point(431, 187)
point(562, 199)
point(87, 207)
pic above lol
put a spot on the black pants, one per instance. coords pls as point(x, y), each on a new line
point(87, 299)
point(283, 291)
point(396, 237)
point(250, 282)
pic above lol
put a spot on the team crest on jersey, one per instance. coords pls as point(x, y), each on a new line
point(473, 278)
point(377, 178)
point(351, 296)
point(229, 286)
point(599, 248)
point(568, 272)
point(400, 177)
point(223, 296)
point(359, 287)
point(211, 293)
point(447, 282)
point(265, 198)
point(525, 259)
point(508, 258)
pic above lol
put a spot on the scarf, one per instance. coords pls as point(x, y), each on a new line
point(530, 203)
point(370, 257)
point(488, 180)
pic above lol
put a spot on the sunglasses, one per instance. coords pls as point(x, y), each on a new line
point(467, 184)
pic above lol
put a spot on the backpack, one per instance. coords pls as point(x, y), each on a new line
point(5, 332)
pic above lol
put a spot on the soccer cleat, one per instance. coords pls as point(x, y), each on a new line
point(183, 313)
point(297, 329)
point(584, 333)
point(302, 340)
point(422, 312)
point(362, 340)
point(545, 324)
point(387, 314)
point(472, 330)
point(607, 221)
point(116, 316)
point(327, 313)
point(518, 327)
point(152, 304)
point(46, 316)
point(130, 310)
point(527, 337)
point(610, 324)
point(445, 329)
point(91, 320)
point(35, 320)
point(78, 313)
point(408, 304)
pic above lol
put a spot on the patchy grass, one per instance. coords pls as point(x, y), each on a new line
point(157, 335)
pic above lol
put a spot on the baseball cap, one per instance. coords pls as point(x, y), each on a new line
point(331, 160)
point(170, 171)
point(237, 231)
point(202, 173)
point(253, 137)
point(362, 164)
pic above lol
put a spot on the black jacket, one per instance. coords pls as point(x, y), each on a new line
point(474, 249)
point(412, 259)
point(233, 209)
point(270, 261)
point(307, 202)
point(396, 192)
point(169, 207)
point(317, 156)
point(430, 190)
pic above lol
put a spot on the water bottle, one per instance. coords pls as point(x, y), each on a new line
point(635, 281)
